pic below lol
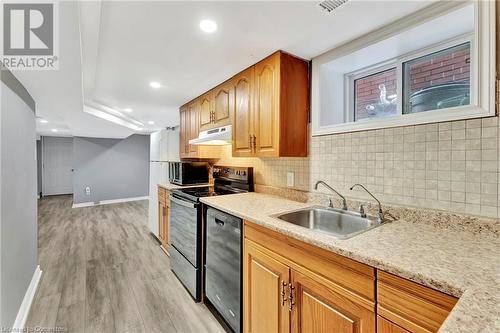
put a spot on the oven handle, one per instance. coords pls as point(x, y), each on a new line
point(183, 202)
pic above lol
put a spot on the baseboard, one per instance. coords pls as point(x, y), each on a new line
point(107, 202)
point(24, 309)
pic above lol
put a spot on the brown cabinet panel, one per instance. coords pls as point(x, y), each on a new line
point(385, 326)
point(223, 103)
point(164, 217)
point(205, 102)
point(412, 306)
point(266, 107)
point(184, 132)
point(318, 308)
point(264, 280)
point(194, 109)
point(242, 113)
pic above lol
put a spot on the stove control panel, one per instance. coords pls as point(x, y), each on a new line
point(242, 174)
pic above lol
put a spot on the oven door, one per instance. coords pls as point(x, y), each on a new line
point(185, 229)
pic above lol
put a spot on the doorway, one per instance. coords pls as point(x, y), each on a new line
point(57, 165)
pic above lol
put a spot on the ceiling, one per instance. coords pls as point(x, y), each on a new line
point(111, 50)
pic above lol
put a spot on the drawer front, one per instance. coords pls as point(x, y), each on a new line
point(412, 306)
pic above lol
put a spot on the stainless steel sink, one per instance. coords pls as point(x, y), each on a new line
point(337, 222)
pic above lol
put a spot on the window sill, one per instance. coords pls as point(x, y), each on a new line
point(427, 117)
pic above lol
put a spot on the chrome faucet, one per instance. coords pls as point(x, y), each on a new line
point(344, 203)
point(380, 213)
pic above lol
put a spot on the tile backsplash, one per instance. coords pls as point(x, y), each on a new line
point(451, 166)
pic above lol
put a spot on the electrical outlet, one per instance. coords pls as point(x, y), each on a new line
point(290, 179)
point(87, 190)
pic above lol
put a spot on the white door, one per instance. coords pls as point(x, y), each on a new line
point(57, 165)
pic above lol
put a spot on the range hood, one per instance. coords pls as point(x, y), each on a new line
point(213, 137)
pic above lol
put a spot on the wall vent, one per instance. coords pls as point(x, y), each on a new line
point(330, 5)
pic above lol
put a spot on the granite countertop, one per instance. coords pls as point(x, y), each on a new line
point(169, 186)
point(457, 262)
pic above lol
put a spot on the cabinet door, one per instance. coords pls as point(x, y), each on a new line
point(266, 117)
point(161, 221)
point(242, 113)
point(184, 132)
point(318, 308)
point(166, 227)
point(385, 326)
point(264, 281)
point(193, 127)
point(206, 111)
point(223, 103)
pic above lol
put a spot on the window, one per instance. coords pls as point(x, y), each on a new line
point(437, 81)
point(435, 65)
point(375, 95)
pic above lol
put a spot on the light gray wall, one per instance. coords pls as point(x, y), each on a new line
point(18, 203)
point(39, 166)
point(113, 168)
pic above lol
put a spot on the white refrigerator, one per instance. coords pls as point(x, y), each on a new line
point(164, 147)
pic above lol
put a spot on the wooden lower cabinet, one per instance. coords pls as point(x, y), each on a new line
point(291, 286)
point(317, 308)
point(265, 284)
point(280, 295)
point(164, 217)
point(410, 305)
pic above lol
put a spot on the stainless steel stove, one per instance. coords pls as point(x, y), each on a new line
point(186, 222)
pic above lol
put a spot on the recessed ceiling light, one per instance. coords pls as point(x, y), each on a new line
point(155, 84)
point(54, 130)
point(151, 122)
point(208, 26)
point(44, 121)
point(127, 110)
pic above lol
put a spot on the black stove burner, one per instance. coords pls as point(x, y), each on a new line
point(206, 191)
point(227, 180)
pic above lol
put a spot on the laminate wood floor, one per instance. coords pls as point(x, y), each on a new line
point(104, 272)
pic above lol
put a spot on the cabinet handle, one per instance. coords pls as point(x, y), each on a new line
point(283, 293)
point(250, 142)
point(254, 143)
point(291, 302)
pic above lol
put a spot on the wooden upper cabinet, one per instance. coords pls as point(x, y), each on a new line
point(223, 100)
point(205, 110)
point(279, 110)
point(184, 131)
point(265, 283)
point(266, 107)
point(189, 129)
point(194, 109)
point(242, 113)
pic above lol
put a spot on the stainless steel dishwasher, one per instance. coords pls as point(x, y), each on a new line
point(223, 265)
